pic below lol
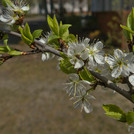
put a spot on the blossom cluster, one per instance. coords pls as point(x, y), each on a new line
point(14, 12)
point(92, 56)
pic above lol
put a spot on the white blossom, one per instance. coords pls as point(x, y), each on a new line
point(44, 38)
point(75, 51)
point(9, 17)
point(75, 86)
point(46, 55)
point(94, 54)
point(19, 6)
point(120, 63)
point(82, 102)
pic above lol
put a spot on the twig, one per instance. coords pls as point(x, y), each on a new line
point(45, 47)
point(106, 82)
point(112, 86)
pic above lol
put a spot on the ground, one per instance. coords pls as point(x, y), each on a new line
point(33, 101)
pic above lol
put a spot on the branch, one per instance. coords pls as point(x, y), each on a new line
point(107, 82)
point(45, 47)
point(112, 86)
point(4, 57)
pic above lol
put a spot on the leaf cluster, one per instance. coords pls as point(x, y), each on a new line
point(59, 31)
point(118, 114)
point(27, 36)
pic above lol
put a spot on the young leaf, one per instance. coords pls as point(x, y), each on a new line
point(127, 35)
point(24, 38)
point(66, 66)
point(52, 38)
point(37, 33)
point(130, 117)
point(55, 26)
point(3, 36)
point(85, 75)
point(50, 23)
point(8, 48)
point(27, 32)
point(61, 23)
point(64, 32)
point(71, 38)
point(15, 53)
point(126, 28)
point(7, 2)
point(130, 20)
point(3, 49)
point(115, 112)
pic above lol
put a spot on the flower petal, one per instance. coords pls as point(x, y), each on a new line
point(3, 19)
point(118, 54)
point(99, 59)
point(131, 79)
point(110, 60)
point(43, 57)
point(84, 55)
point(74, 77)
point(98, 46)
point(25, 8)
point(88, 108)
point(86, 42)
point(79, 64)
point(116, 72)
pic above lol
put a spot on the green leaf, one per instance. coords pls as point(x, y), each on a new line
point(8, 48)
point(115, 112)
point(126, 28)
point(3, 49)
point(130, 117)
point(130, 20)
point(55, 26)
point(86, 75)
point(3, 36)
point(61, 23)
point(71, 38)
point(24, 38)
point(37, 33)
point(7, 2)
point(64, 32)
point(67, 67)
point(64, 56)
point(50, 22)
point(27, 32)
point(15, 53)
point(127, 34)
point(52, 38)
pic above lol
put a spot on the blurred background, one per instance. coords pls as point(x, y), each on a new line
point(32, 95)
